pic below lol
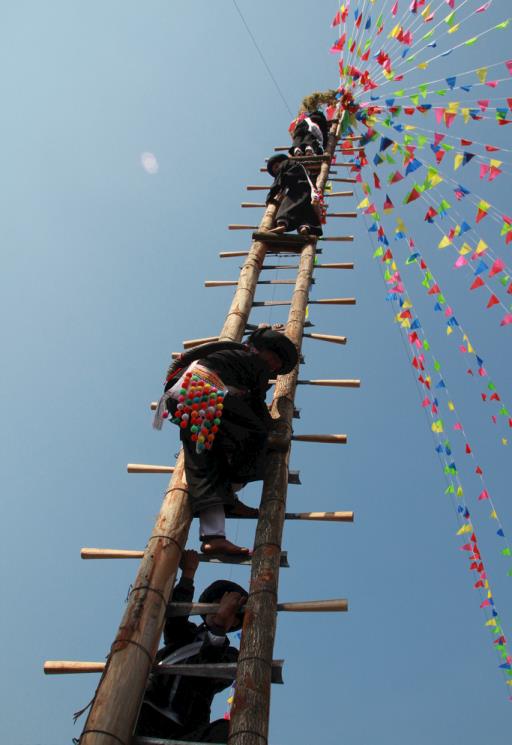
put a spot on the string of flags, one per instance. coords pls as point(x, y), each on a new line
point(414, 160)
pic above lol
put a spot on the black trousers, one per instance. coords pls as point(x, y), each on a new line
point(153, 724)
point(237, 456)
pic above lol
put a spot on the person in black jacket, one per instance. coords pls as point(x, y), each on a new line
point(233, 448)
point(296, 211)
point(310, 134)
point(178, 707)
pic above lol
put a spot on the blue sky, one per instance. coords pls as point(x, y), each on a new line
point(102, 275)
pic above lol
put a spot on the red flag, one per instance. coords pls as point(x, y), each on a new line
point(477, 283)
point(493, 300)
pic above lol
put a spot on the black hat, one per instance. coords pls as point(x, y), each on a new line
point(214, 592)
point(275, 159)
point(278, 343)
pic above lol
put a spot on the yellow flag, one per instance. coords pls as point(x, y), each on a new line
point(363, 204)
point(422, 66)
point(495, 163)
point(457, 161)
point(451, 405)
point(493, 515)
point(465, 529)
point(465, 249)
point(491, 622)
point(482, 74)
point(482, 247)
point(444, 242)
point(453, 29)
point(465, 114)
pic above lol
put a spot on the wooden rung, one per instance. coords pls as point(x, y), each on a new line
point(282, 240)
point(334, 301)
point(121, 553)
point(225, 670)
point(328, 338)
point(341, 214)
point(344, 180)
point(257, 188)
point(345, 265)
point(180, 610)
point(143, 468)
point(232, 254)
point(242, 227)
point(253, 204)
point(343, 383)
point(234, 283)
point(338, 238)
point(271, 249)
point(323, 301)
point(272, 267)
point(328, 517)
point(294, 478)
point(339, 194)
point(158, 741)
point(333, 439)
point(315, 167)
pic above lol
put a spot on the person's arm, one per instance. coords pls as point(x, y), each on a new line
point(183, 592)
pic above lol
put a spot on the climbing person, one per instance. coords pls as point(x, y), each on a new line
point(300, 204)
point(177, 707)
point(310, 132)
point(216, 394)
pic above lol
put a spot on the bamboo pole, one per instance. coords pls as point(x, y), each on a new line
point(251, 705)
point(117, 701)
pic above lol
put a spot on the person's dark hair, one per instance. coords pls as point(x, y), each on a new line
point(279, 158)
point(266, 338)
point(214, 592)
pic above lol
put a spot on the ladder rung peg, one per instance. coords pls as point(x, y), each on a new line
point(345, 265)
point(143, 468)
point(232, 254)
point(344, 180)
point(327, 517)
point(190, 343)
point(253, 204)
point(337, 605)
point(324, 439)
point(206, 670)
point(341, 383)
point(334, 301)
point(338, 238)
point(257, 188)
point(327, 337)
point(339, 194)
point(220, 283)
point(121, 553)
point(341, 214)
point(235, 226)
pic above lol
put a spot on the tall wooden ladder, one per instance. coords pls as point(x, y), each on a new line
point(116, 703)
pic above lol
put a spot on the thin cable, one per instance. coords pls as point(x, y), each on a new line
point(263, 59)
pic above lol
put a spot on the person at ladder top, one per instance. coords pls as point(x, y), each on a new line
point(300, 206)
point(178, 707)
point(310, 133)
point(216, 394)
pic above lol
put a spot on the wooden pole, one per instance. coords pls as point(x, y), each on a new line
point(251, 705)
point(117, 701)
point(324, 439)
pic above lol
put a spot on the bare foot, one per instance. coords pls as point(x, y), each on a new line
point(303, 230)
point(222, 547)
point(278, 229)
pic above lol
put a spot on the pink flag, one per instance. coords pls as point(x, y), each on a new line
point(507, 318)
point(497, 267)
point(509, 65)
point(483, 495)
point(483, 8)
point(394, 9)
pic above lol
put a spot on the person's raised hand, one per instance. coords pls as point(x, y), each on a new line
point(189, 563)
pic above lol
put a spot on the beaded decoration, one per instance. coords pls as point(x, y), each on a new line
point(199, 407)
